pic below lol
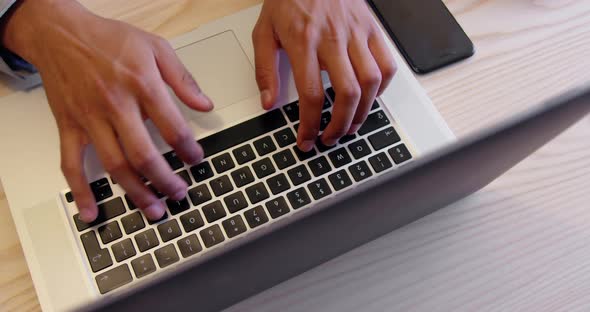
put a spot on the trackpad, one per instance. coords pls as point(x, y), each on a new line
point(221, 68)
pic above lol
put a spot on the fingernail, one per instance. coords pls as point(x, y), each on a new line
point(155, 211)
point(354, 128)
point(266, 98)
point(307, 145)
point(179, 195)
point(86, 215)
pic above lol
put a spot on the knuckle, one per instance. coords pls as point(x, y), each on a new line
point(388, 70)
point(351, 91)
point(370, 79)
point(178, 136)
point(263, 73)
point(143, 161)
point(113, 164)
point(304, 31)
point(312, 94)
point(69, 168)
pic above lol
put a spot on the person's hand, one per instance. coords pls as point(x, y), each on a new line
point(102, 78)
point(339, 36)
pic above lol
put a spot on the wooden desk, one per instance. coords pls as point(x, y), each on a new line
point(519, 244)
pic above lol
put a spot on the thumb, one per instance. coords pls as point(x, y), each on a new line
point(266, 58)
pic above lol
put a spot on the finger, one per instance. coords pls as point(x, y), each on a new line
point(143, 155)
point(266, 55)
point(72, 165)
point(308, 80)
point(347, 91)
point(114, 161)
point(175, 74)
point(157, 104)
point(368, 76)
point(384, 59)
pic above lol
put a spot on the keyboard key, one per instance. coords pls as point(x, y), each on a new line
point(263, 168)
point(257, 193)
point(340, 180)
point(202, 171)
point(242, 176)
point(264, 146)
point(173, 160)
point(109, 232)
point(347, 138)
point(199, 194)
point(212, 236)
point(132, 223)
point(244, 154)
point(113, 278)
point(292, 111)
point(384, 138)
point(359, 149)
point(123, 250)
point(256, 216)
point(277, 207)
point(326, 104)
point(298, 198)
point(304, 155)
point(106, 211)
point(223, 163)
point(177, 207)
point(143, 265)
point(360, 171)
point(69, 197)
point(375, 105)
point(101, 189)
point(400, 154)
point(299, 175)
point(235, 202)
point(146, 240)
point(234, 226)
point(321, 147)
point(380, 162)
point(191, 221)
point(155, 191)
point(164, 217)
point(166, 255)
point(221, 185)
point(278, 183)
point(189, 246)
point(186, 177)
point(130, 203)
point(319, 189)
point(284, 159)
point(331, 94)
point(214, 211)
point(325, 120)
point(98, 258)
point(285, 137)
point(238, 134)
point(374, 121)
point(339, 157)
point(319, 166)
point(169, 230)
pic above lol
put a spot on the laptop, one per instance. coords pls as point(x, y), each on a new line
point(252, 186)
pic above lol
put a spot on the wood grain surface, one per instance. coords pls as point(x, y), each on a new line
point(519, 244)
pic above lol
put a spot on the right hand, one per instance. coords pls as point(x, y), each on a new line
point(102, 77)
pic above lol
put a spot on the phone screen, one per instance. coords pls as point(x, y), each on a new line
point(425, 31)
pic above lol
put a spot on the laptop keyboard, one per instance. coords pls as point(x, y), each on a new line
point(252, 174)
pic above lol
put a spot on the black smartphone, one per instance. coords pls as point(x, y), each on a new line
point(425, 32)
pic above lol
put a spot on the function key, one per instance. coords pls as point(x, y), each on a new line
point(325, 120)
point(319, 189)
point(257, 193)
point(359, 149)
point(284, 159)
point(98, 258)
point(173, 160)
point(202, 171)
point(235, 202)
point(400, 154)
point(304, 155)
point(212, 236)
point(299, 175)
point(199, 194)
point(298, 198)
point(123, 250)
point(278, 183)
point(214, 211)
point(186, 177)
point(264, 146)
point(106, 211)
point(285, 137)
point(223, 163)
point(189, 246)
point(380, 162)
point(256, 216)
point(242, 176)
point(146, 240)
point(234, 226)
point(339, 157)
point(166, 255)
point(132, 223)
point(277, 207)
point(110, 232)
point(244, 154)
point(384, 138)
point(169, 230)
point(113, 278)
point(221, 185)
point(177, 206)
point(319, 166)
point(143, 265)
point(340, 180)
point(292, 111)
point(101, 189)
point(374, 121)
point(360, 171)
point(263, 168)
point(191, 221)
point(347, 138)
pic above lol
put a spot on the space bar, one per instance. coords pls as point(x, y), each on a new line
point(242, 132)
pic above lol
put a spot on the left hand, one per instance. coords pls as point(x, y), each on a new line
point(340, 36)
